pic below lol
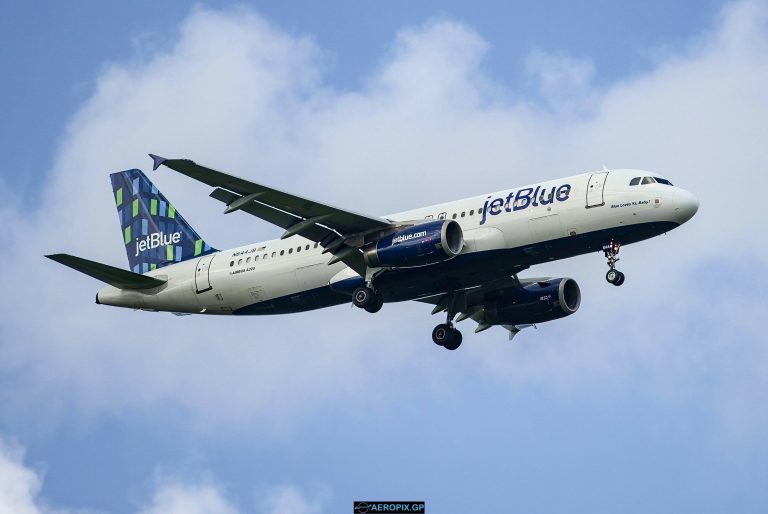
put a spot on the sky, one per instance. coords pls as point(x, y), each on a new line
point(652, 398)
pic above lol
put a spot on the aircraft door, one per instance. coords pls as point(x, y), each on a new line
point(203, 274)
point(595, 189)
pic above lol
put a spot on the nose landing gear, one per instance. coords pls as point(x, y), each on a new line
point(611, 250)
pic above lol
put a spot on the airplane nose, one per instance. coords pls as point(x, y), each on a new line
point(686, 206)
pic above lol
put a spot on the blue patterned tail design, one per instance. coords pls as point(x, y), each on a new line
point(154, 232)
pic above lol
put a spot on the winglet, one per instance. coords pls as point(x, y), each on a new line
point(157, 161)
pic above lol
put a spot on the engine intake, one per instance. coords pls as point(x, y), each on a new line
point(418, 245)
point(536, 303)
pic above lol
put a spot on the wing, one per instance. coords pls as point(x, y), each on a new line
point(470, 303)
point(339, 231)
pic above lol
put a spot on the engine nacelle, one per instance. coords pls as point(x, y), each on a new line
point(419, 245)
point(536, 303)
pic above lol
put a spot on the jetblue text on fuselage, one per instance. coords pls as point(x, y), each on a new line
point(408, 237)
point(525, 198)
point(155, 240)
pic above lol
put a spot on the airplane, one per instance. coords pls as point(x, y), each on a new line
point(463, 257)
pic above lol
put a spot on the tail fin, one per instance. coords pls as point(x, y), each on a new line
point(154, 233)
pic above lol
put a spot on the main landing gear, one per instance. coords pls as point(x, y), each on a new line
point(445, 334)
point(366, 298)
point(611, 250)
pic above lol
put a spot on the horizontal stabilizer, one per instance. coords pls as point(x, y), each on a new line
point(120, 278)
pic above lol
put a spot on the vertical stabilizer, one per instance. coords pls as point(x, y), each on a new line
point(154, 233)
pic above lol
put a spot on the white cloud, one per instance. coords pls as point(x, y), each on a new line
point(430, 124)
point(176, 498)
point(19, 485)
point(287, 499)
point(563, 81)
point(20, 493)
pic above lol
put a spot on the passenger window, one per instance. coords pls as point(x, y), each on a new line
point(290, 250)
point(256, 258)
point(306, 248)
point(274, 254)
point(472, 212)
point(231, 263)
point(248, 260)
point(647, 180)
point(264, 256)
point(442, 215)
point(635, 181)
point(428, 217)
point(239, 262)
point(463, 213)
point(316, 244)
point(282, 252)
point(454, 216)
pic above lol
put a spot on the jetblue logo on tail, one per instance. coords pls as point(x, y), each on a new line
point(155, 240)
point(154, 232)
point(524, 198)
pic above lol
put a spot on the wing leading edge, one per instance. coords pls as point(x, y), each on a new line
point(340, 232)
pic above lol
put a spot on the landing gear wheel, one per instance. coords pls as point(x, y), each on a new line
point(455, 340)
point(615, 277)
point(363, 296)
point(441, 334)
point(376, 304)
point(446, 336)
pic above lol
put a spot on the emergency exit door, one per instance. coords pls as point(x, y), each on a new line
point(595, 187)
point(203, 274)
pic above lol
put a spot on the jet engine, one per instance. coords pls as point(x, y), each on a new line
point(417, 245)
point(536, 303)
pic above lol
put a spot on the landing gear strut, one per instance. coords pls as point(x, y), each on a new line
point(611, 250)
point(446, 335)
point(366, 298)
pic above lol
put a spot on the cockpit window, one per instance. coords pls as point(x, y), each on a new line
point(647, 180)
point(635, 181)
point(663, 181)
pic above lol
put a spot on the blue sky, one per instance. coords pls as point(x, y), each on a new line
point(54, 51)
point(650, 398)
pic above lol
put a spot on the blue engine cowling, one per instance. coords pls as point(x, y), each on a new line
point(536, 303)
point(418, 245)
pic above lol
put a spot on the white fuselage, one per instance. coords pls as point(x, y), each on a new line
point(503, 231)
